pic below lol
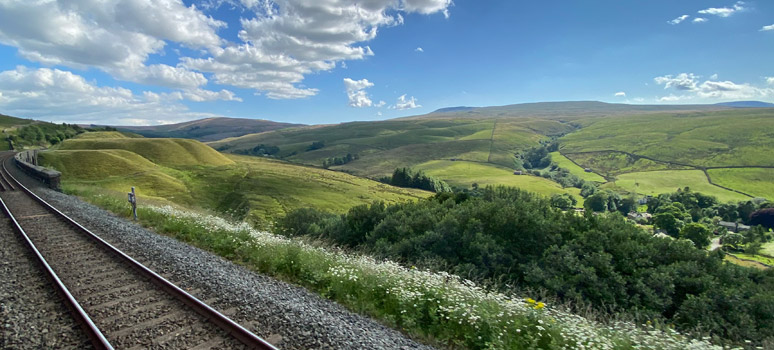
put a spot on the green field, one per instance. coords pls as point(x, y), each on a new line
point(722, 138)
point(464, 174)
point(758, 182)
point(256, 188)
point(656, 182)
point(565, 163)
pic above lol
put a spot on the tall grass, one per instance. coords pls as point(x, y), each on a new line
point(436, 307)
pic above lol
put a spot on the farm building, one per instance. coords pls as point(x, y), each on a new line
point(517, 172)
point(733, 226)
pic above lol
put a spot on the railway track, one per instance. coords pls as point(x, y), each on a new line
point(118, 302)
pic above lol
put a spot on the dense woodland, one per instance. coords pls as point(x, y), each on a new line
point(44, 134)
point(512, 237)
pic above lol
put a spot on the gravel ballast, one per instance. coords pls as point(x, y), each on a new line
point(33, 316)
point(288, 316)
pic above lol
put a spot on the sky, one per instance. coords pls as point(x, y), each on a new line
point(147, 62)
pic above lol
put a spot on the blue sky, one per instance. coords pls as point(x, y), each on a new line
point(315, 62)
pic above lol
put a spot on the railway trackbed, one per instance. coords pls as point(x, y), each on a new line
point(117, 301)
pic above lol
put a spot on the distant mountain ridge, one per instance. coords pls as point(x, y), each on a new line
point(747, 104)
point(453, 109)
point(565, 110)
point(209, 129)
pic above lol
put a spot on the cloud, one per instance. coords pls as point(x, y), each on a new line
point(289, 39)
point(678, 20)
point(620, 94)
point(356, 92)
point(419, 49)
point(724, 11)
point(699, 20)
point(689, 84)
point(279, 42)
point(714, 77)
point(770, 80)
point(201, 95)
point(767, 28)
point(52, 93)
point(404, 103)
point(115, 36)
point(683, 81)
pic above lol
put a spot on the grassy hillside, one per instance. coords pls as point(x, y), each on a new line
point(667, 181)
point(165, 152)
point(209, 129)
point(383, 146)
point(610, 139)
point(107, 135)
point(464, 174)
point(574, 169)
point(758, 182)
point(7, 121)
point(117, 171)
point(190, 174)
point(704, 139)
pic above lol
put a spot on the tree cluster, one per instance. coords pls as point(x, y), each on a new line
point(338, 160)
point(315, 145)
point(260, 150)
point(514, 237)
point(44, 134)
point(405, 177)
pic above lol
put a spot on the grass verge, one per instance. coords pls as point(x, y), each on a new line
point(434, 306)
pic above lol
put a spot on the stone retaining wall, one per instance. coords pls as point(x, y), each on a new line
point(26, 161)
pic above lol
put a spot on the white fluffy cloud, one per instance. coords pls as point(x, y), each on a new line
point(116, 36)
point(288, 39)
point(699, 20)
point(405, 103)
point(692, 88)
point(683, 81)
point(770, 80)
point(52, 93)
point(678, 20)
point(724, 11)
point(767, 28)
point(620, 94)
point(419, 49)
point(356, 92)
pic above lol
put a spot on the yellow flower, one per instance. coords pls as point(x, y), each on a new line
point(540, 305)
point(530, 300)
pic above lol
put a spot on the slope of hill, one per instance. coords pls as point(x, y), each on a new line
point(7, 121)
point(165, 152)
point(209, 129)
point(191, 174)
point(487, 136)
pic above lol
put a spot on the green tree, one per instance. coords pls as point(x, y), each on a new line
point(563, 201)
point(596, 202)
point(669, 223)
point(699, 234)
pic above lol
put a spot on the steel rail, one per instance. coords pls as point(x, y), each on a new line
point(237, 331)
point(92, 331)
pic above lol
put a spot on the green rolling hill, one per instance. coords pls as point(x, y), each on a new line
point(190, 174)
point(209, 129)
point(611, 139)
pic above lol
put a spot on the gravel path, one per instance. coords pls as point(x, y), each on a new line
point(287, 316)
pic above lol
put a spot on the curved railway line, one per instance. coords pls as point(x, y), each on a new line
point(117, 301)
